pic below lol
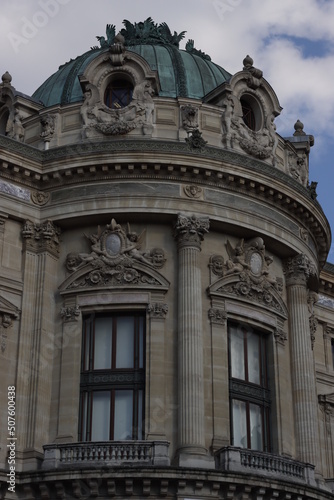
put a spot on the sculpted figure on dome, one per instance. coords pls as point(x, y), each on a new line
point(142, 98)
point(189, 116)
point(298, 168)
point(227, 117)
point(14, 127)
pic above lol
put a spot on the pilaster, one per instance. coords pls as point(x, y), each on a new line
point(189, 232)
point(297, 272)
point(36, 346)
point(69, 388)
point(220, 389)
point(158, 411)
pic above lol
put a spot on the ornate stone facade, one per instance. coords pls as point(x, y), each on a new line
point(163, 261)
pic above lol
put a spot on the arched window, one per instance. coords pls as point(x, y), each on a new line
point(118, 94)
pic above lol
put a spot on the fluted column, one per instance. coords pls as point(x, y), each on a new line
point(297, 271)
point(189, 232)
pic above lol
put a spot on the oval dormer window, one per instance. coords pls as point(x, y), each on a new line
point(118, 94)
point(251, 112)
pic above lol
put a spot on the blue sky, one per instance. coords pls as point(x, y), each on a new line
point(291, 41)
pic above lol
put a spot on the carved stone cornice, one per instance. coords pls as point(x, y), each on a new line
point(298, 269)
point(157, 310)
point(190, 231)
point(41, 237)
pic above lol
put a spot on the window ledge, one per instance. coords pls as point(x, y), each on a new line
point(111, 453)
point(264, 464)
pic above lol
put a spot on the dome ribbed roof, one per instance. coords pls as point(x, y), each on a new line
point(182, 73)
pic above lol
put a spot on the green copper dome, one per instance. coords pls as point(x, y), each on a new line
point(182, 73)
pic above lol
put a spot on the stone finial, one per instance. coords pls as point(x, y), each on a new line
point(6, 78)
point(247, 62)
point(299, 126)
point(254, 80)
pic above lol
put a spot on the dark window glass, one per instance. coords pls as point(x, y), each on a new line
point(112, 377)
point(118, 94)
point(249, 393)
point(248, 114)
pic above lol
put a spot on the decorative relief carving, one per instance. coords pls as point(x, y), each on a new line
point(280, 336)
point(326, 403)
point(245, 274)
point(115, 259)
point(256, 143)
point(216, 265)
point(298, 168)
point(193, 191)
point(298, 269)
point(195, 140)
point(8, 313)
point(40, 198)
point(189, 117)
point(217, 316)
point(189, 231)
point(70, 313)
point(48, 127)
point(157, 310)
point(304, 234)
point(311, 300)
point(97, 116)
point(43, 236)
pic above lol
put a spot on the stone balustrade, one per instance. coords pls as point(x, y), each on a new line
point(113, 453)
point(264, 464)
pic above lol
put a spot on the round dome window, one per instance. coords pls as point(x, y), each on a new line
point(118, 94)
point(251, 112)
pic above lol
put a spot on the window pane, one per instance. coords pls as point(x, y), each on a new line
point(140, 413)
point(141, 342)
point(255, 417)
point(123, 415)
point(87, 337)
point(253, 358)
point(101, 416)
point(239, 423)
point(125, 342)
point(103, 343)
point(84, 403)
point(237, 353)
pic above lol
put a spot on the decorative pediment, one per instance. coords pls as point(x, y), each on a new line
point(115, 260)
point(245, 275)
point(7, 309)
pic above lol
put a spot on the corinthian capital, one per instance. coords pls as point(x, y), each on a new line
point(298, 269)
point(189, 231)
point(41, 237)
